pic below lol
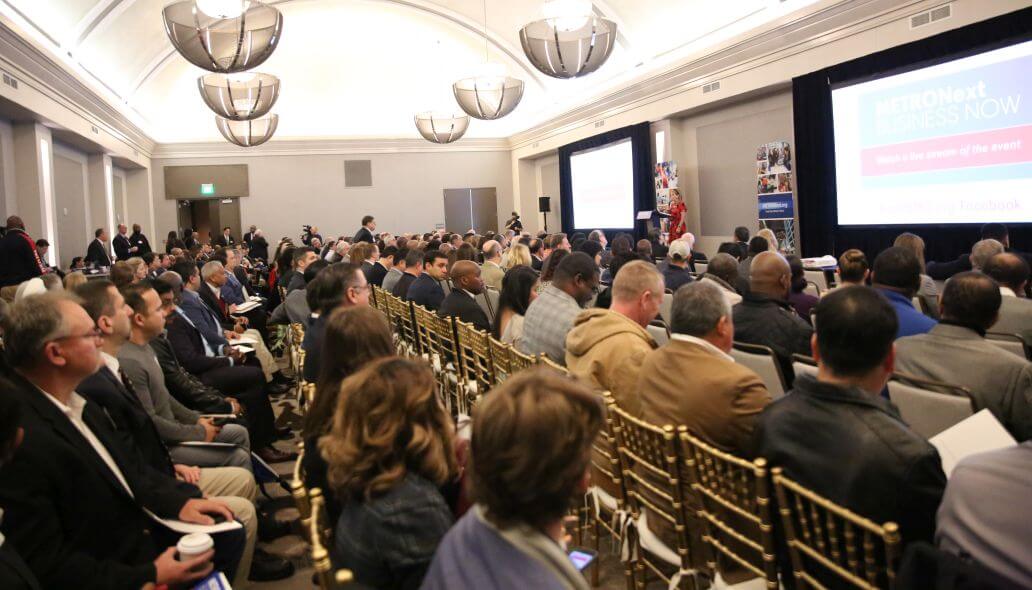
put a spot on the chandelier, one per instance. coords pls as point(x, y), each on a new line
point(239, 97)
point(441, 127)
point(223, 36)
point(570, 42)
point(491, 94)
point(248, 133)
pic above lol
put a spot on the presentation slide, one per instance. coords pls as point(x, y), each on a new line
point(950, 143)
point(603, 186)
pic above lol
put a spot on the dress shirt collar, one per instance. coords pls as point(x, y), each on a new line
point(1007, 292)
point(705, 345)
point(471, 296)
point(73, 409)
point(111, 362)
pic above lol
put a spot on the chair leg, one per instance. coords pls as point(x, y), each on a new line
point(598, 558)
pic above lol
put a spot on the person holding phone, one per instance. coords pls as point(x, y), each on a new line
point(513, 538)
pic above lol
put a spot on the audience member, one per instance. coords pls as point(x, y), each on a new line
point(531, 451)
point(853, 268)
point(413, 270)
point(644, 250)
point(605, 347)
point(426, 290)
point(722, 270)
point(14, 572)
point(592, 249)
point(766, 318)
point(956, 352)
point(259, 246)
point(757, 245)
point(742, 241)
point(837, 436)
point(537, 253)
point(383, 264)
point(139, 241)
point(982, 251)
point(97, 252)
point(461, 303)
point(492, 267)
point(548, 267)
point(676, 273)
point(928, 293)
point(897, 276)
point(772, 240)
point(519, 289)
point(294, 309)
point(550, 317)
point(940, 271)
point(338, 285)
point(225, 239)
point(365, 233)
point(801, 301)
point(122, 274)
point(397, 270)
point(1012, 273)
point(123, 248)
point(978, 520)
point(389, 451)
point(73, 280)
point(519, 255)
point(300, 259)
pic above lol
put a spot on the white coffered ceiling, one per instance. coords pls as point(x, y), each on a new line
point(362, 68)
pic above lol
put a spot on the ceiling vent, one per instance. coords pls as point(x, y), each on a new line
point(358, 173)
point(10, 81)
point(930, 16)
point(711, 87)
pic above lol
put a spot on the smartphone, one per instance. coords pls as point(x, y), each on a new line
point(221, 421)
point(582, 557)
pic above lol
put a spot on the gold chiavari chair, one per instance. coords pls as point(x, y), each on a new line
point(477, 369)
point(607, 499)
point(501, 359)
point(451, 382)
point(732, 502)
point(519, 361)
point(309, 393)
point(321, 536)
point(297, 485)
point(546, 361)
point(832, 546)
point(405, 324)
point(649, 462)
point(425, 326)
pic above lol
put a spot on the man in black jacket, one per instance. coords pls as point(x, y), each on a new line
point(74, 501)
point(365, 233)
point(19, 260)
point(124, 249)
point(461, 303)
point(97, 252)
point(139, 241)
point(413, 269)
point(14, 572)
point(837, 436)
point(426, 290)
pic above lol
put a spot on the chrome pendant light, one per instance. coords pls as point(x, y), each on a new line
point(248, 133)
point(570, 41)
point(239, 97)
point(236, 35)
point(441, 127)
point(491, 94)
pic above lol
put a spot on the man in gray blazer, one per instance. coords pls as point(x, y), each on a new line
point(1011, 272)
point(956, 352)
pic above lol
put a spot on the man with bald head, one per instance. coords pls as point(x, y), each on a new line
point(492, 268)
point(19, 260)
point(1011, 271)
point(461, 303)
point(124, 249)
point(766, 318)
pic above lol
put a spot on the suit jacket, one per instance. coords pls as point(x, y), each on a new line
point(297, 281)
point(1015, 317)
point(376, 274)
point(122, 246)
point(364, 235)
point(402, 286)
point(207, 322)
point(19, 260)
point(223, 241)
point(65, 511)
point(427, 292)
point(97, 254)
point(14, 572)
point(188, 344)
point(212, 302)
point(293, 310)
point(997, 380)
point(260, 248)
point(248, 237)
point(140, 242)
point(492, 275)
point(185, 387)
point(772, 323)
point(460, 305)
point(536, 263)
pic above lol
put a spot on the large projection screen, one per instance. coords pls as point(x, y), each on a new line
point(949, 143)
point(602, 181)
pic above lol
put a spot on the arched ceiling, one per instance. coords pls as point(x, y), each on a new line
point(362, 68)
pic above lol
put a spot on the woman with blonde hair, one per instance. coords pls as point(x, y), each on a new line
point(139, 268)
point(519, 254)
point(772, 240)
point(73, 280)
point(389, 452)
point(928, 293)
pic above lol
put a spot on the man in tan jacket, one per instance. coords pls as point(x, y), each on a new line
point(606, 347)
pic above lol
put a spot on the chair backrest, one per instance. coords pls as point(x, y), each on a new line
point(488, 301)
point(700, 267)
point(804, 365)
point(320, 533)
point(817, 277)
point(665, 307)
point(544, 360)
point(501, 359)
point(764, 363)
point(405, 323)
point(831, 546)
point(812, 289)
point(475, 352)
point(426, 324)
point(734, 507)
point(929, 407)
point(1013, 343)
point(658, 333)
point(520, 361)
point(605, 457)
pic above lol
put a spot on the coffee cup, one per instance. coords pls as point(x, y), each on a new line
point(194, 544)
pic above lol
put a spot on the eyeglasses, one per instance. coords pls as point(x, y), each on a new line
point(94, 333)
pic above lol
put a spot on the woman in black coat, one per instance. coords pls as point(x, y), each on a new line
point(259, 246)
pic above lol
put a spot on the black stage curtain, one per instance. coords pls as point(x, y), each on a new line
point(815, 145)
point(644, 190)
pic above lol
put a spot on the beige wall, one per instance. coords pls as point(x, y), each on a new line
point(71, 199)
point(290, 191)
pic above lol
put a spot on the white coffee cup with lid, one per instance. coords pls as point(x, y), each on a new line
point(194, 544)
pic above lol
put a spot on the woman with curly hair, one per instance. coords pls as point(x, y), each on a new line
point(389, 452)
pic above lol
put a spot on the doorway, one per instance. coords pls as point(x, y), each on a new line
point(207, 217)
point(471, 208)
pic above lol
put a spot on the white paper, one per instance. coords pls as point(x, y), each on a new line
point(245, 307)
point(644, 215)
point(979, 433)
point(201, 443)
point(186, 528)
point(214, 416)
point(243, 348)
point(820, 263)
point(244, 339)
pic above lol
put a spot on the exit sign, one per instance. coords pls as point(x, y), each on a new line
point(207, 189)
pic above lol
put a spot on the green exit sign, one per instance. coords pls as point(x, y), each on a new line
point(207, 189)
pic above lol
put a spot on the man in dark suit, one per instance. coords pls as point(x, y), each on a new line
point(249, 236)
point(413, 269)
point(124, 249)
point(97, 253)
point(19, 260)
point(365, 233)
point(301, 259)
point(426, 290)
point(14, 572)
point(226, 239)
point(537, 257)
point(139, 241)
point(383, 264)
point(462, 303)
point(74, 500)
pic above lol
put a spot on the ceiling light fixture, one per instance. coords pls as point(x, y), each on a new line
point(570, 42)
point(248, 133)
point(441, 127)
point(223, 44)
point(491, 94)
point(239, 97)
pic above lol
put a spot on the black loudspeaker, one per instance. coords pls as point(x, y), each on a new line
point(544, 205)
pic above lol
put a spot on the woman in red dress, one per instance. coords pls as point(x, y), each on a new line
point(677, 211)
